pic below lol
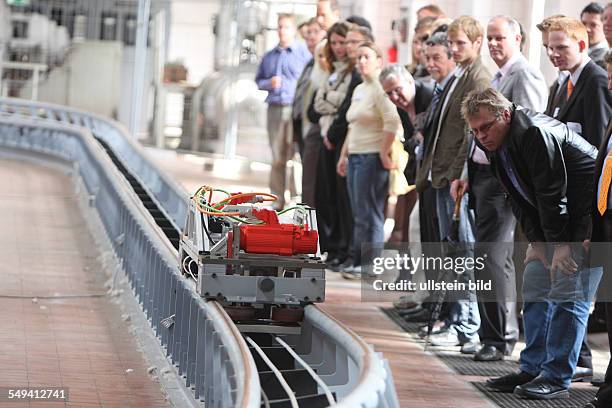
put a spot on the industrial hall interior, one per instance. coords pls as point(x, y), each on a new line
point(306, 204)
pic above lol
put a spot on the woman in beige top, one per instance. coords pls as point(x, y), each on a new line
point(366, 155)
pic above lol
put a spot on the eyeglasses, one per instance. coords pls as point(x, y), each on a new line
point(484, 128)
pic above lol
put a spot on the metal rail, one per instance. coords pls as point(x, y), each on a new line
point(201, 339)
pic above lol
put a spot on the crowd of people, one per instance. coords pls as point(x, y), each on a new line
point(501, 150)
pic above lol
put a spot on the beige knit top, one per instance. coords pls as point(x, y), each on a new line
point(370, 115)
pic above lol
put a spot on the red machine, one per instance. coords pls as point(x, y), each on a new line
point(276, 238)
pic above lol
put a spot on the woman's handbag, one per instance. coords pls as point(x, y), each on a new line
point(398, 185)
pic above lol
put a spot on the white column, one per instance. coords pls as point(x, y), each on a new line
point(140, 58)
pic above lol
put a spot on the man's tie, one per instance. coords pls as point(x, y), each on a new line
point(570, 88)
point(434, 102)
point(496, 79)
point(604, 187)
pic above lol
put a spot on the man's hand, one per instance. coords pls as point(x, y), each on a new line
point(536, 252)
point(385, 158)
point(458, 187)
point(275, 82)
point(342, 165)
point(562, 259)
point(418, 136)
point(328, 145)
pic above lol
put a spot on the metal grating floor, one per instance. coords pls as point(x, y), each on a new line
point(465, 365)
point(578, 398)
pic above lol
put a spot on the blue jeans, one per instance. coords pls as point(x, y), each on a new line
point(367, 182)
point(464, 318)
point(555, 318)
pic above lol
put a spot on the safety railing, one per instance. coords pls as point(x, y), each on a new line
point(164, 189)
point(202, 341)
point(198, 336)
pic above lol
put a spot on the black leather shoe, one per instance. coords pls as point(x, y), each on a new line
point(421, 317)
point(488, 353)
point(507, 383)
point(542, 389)
point(336, 263)
point(596, 403)
point(582, 374)
point(409, 311)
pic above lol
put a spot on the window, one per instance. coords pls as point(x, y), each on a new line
point(108, 28)
point(20, 29)
point(129, 29)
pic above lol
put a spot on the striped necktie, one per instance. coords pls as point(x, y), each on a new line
point(437, 94)
point(496, 79)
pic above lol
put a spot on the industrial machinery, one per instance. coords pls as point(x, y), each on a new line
point(262, 265)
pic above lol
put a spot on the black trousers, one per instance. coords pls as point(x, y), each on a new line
point(334, 216)
point(310, 159)
point(495, 225)
point(604, 395)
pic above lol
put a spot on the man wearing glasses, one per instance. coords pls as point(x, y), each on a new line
point(523, 85)
point(547, 171)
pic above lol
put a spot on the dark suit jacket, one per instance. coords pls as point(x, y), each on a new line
point(552, 99)
point(554, 166)
point(598, 234)
point(447, 157)
point(590, 103)
point(422, 99)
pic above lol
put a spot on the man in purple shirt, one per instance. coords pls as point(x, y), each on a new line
point(278, 73)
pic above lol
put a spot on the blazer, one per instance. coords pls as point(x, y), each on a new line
point(422, 99)
point(524, 85)
point(446, 156)
point(554, 167)
point(590, 104)
point(553, 101)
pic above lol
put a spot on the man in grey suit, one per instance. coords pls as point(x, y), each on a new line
point(524, 85)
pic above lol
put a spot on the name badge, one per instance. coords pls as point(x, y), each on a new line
point(357, 95)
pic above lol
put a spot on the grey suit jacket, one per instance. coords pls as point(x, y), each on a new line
point(597, 54)
point(524, 85)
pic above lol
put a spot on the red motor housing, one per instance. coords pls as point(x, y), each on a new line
point(278, 239)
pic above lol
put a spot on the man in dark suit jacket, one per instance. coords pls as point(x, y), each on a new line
point(412, 98)
point(547, 170)
point(584, 103)
point(602, 235)
point(587, 82)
